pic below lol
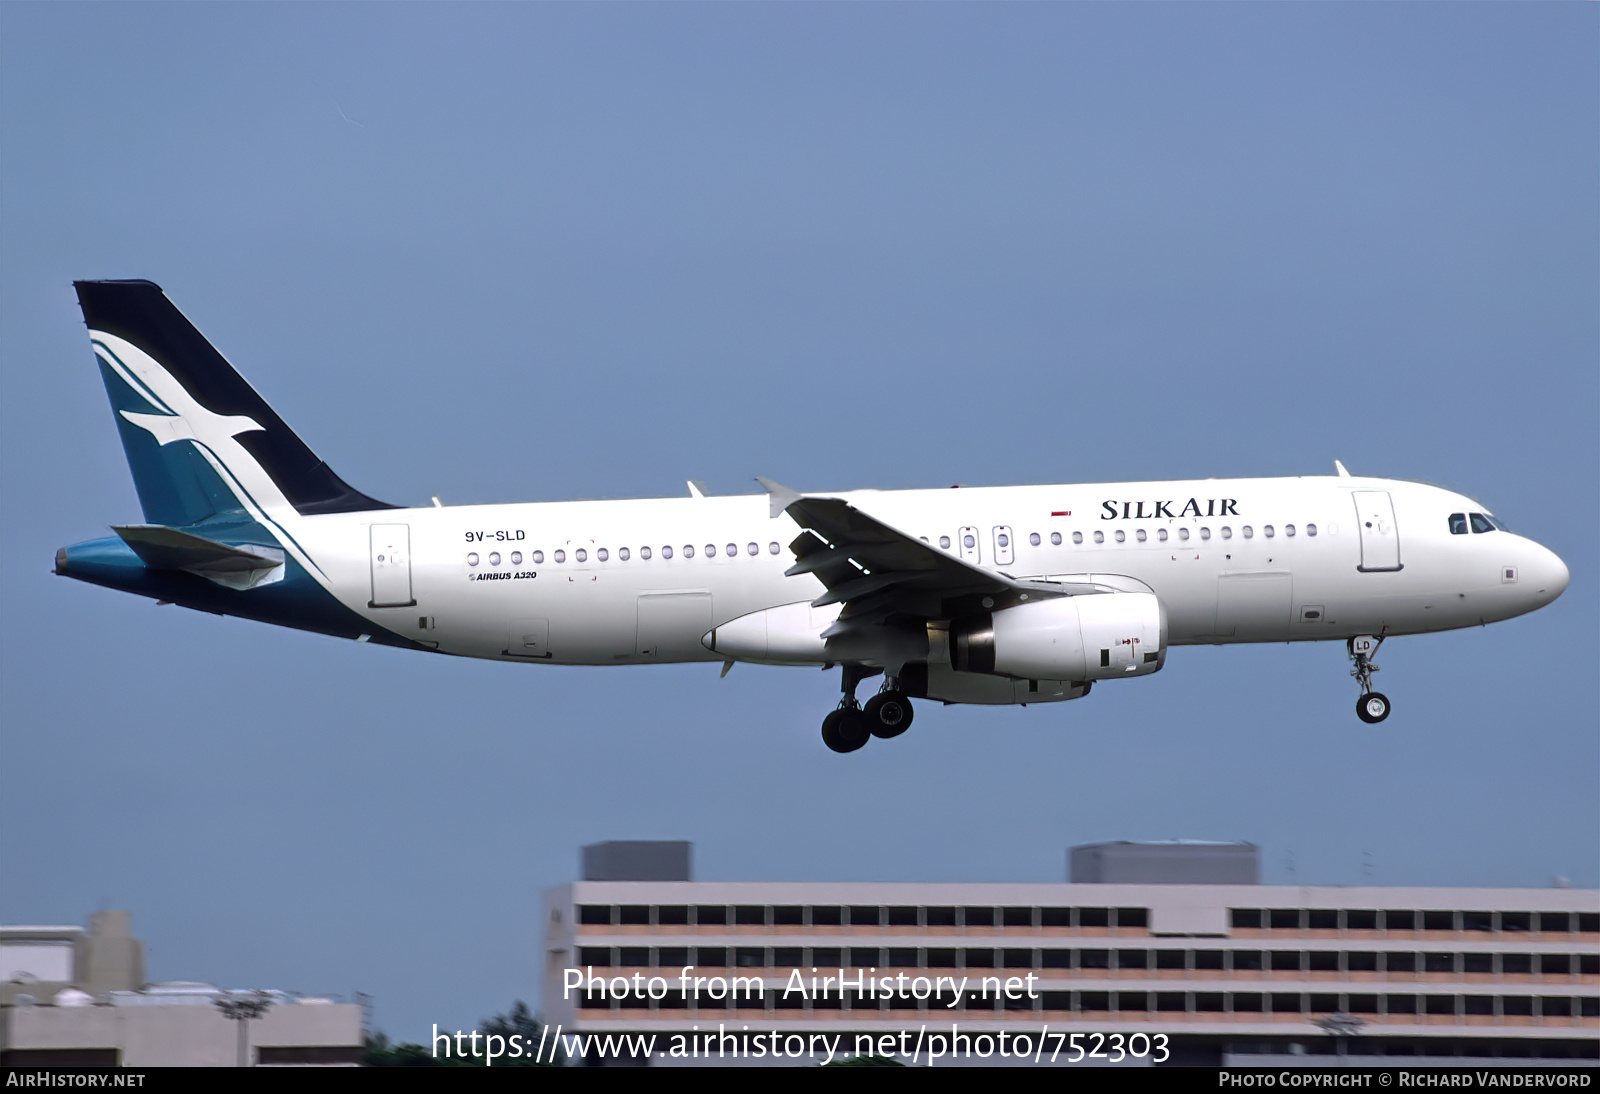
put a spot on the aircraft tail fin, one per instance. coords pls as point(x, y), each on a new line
point(199, 440)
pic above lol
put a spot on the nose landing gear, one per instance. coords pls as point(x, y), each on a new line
point(1372, 707)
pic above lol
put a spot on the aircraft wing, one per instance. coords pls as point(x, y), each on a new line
point(877, 571)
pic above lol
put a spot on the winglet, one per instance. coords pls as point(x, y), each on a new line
point(697, 489)
point(779, 497)
point(1339, 467)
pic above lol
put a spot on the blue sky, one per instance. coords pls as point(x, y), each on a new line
point(523, 252)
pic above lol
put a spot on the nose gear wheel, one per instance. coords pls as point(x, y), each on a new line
point(1372, 707)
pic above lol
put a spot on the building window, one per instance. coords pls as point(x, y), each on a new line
point(865, 916)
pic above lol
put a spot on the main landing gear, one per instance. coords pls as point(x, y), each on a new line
point(887, 714)
point(1372, 707)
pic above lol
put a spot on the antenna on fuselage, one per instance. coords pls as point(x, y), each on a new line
point(1339, 467)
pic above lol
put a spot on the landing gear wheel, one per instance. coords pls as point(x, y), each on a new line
point(1372, 707)
point(845, 730)
point(888, 713)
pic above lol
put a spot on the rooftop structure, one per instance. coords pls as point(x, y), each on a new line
point(76, 997)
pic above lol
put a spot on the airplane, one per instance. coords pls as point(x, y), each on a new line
point(990, 595)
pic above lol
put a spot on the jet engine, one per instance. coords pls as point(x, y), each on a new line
point(1098, 636)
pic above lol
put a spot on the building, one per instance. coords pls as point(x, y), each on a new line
point(76, 997)
point(1232, 972)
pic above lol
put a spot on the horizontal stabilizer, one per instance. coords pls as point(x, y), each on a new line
point(241, 566)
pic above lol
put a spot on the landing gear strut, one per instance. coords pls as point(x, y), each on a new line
point(1372, 707)
point(887, 714)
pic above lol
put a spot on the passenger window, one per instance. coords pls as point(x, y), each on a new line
point(1161, 534)
point(516, 558)
point(1121, 536)
point(1002, 540)
point(711, 550)
point(1099, 537)
point(752, 550)
point(1141, 535)
point(1248, 532)
point(1205, 533)
point(1227, 533)
point(944, 541)
point(1480, 523)
point(581, 555)
point(1055, 539)
point(968, 542)
point(733, 550)
point(1311, 529)
point(1288, 529)
point(494, 558)
point(602, 554)
point(538, 556)
point(622, 553)
point(666, 552)
point(688, 550)
point(1183, 534)
point(644, 553)
point(772, 548)
point(1077, 537)
point(1033, 538)
point(472, 558)
point(1267, 531)
point(1458, 524)
point(561, 556)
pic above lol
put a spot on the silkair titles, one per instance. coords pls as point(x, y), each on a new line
point(1134, 510)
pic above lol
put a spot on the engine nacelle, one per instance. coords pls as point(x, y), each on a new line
point(1103, 636)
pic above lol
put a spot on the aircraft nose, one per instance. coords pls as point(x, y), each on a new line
point(1549, 574)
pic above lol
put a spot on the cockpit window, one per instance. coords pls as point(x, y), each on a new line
point(1481, 523)
point(1458, 524)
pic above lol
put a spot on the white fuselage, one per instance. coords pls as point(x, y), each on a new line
point(644, 581)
